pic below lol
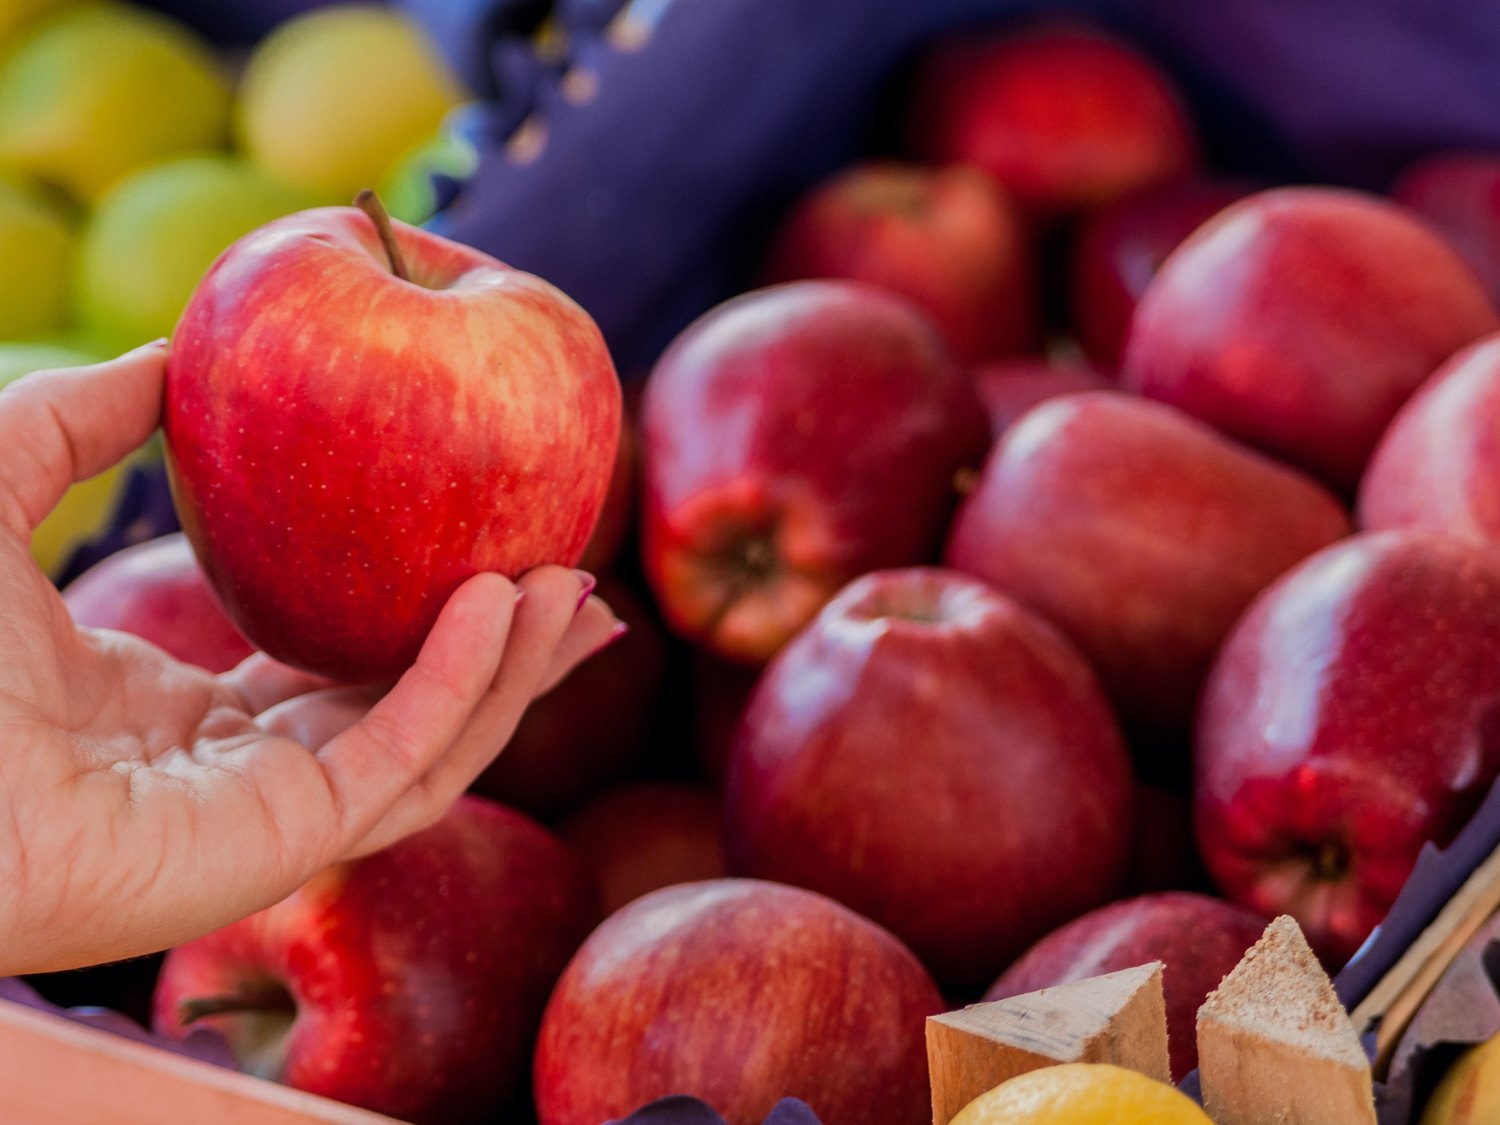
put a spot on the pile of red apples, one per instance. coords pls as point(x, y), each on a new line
point(1063, 558)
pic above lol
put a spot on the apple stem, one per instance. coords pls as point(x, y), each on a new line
point(368, 202)
point(195, 1008)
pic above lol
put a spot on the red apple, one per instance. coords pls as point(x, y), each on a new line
point(932, 755)
point(1198, 940)
point(1139, 532)
point(410, 982)
point(618, 514)
point(1350, 718)
point(1459, 194)
point(588, 730)
point(796, 437)
point(1118, 250)
point(1300, 319)
point(1063, 116)
point(740, 993)
point(947, 238)
point(1438, 465)
point(1011, 387)
point(346, 446)
point(643, 837)
point(156, 591)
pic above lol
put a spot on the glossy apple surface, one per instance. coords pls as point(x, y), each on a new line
point(346, 447)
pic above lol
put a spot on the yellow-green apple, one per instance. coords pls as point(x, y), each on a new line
point(1139, 532)
point(794, 438)
point(155, 234)
point(1198, 939)
point(410, 982)
point(948, 239)
point(1062, 116)
point(1011, 387)
point(938, 758)
point(642, 837)
point(333, 98)
point(741, 993)
point(19, 17)
point(104, 89)
point(36, 266)
point(1438, 465)
point(156, 591)
point(1470, 1088)
point(1298, 320)
point(361, 415)
point(1459, 194)
point(1350, 717)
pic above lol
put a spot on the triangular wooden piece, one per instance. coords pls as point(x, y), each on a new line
point(1275, 1046)
point(1120, 1018)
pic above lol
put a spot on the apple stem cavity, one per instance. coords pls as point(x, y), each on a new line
point(368, 202)
point(274, 999)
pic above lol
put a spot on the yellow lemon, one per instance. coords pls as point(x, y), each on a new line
point(1469, 1093)
point(1082, 1094)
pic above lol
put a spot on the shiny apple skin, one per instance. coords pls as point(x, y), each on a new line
point(346, 447)
point(938, 758)
point(1298, 320)
point(1351, 716)
point(741, 993)
point(156, 591)
point(794, 438)
point(419, 972)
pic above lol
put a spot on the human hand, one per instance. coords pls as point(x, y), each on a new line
point(143, 801)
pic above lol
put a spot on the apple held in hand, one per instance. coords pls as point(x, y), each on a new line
point(410, 982)
point(355, 428)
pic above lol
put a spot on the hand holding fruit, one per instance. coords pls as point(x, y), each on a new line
point(147, 801)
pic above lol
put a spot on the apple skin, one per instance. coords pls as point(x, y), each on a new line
point(1061, 116)
point(793, 438)
point(419, 973)
point(1141, 533)
point(1198, 939)
point(1350, 717)
point(1298, 320)
point(1118, 250)
point(346, 448)
point(936, 757)
point(1459, 194)
point(156, 590)
point(587, 730)
point(640, 838)
point(1438, 465)
point(949, 239)
point(741, 993)
point(1011, 387)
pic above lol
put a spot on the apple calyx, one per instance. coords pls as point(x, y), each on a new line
point(368, 202)
point(259, 1000)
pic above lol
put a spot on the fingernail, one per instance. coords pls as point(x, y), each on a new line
point(154, 346)
point(619, 630)
point(589, 582)
point(520, 593)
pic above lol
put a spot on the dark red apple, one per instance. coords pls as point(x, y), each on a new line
point(1139, 532)
point(947, 238)
point(1011, 387)
point(156, 591)
point(1198, 940)
point(1062, 116)
point(587, 731)
point(796, 437)
point(617, 516)
point(1438, 465)
point(740, 993)
point(1118, 250)
point(347, 446)
point(936, 757)
point(1459, 194)
point(410, 982)
point(1351, 716)
point(1300, 319)
point(643, 837)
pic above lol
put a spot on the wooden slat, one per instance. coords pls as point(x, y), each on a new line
point(54, 1072)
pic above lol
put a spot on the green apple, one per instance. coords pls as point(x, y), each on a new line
point(16, 16)
point(36, 261)
point(333, 98)
point(157, 233)
point(102, 90)
point(406, 187)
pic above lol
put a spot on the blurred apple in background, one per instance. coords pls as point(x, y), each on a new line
point(409, 982)
point(1350, 717)
point(331, 100)
point(157, 591)
point(1011, 387)
point(406, 186)
point(740, 993)
point(936, 757)
point(36, 262)
point(948, 239)
point(154, 236)
point(18, 17)
point(1459, 194)
point(1298, 320)
point(104, 89)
